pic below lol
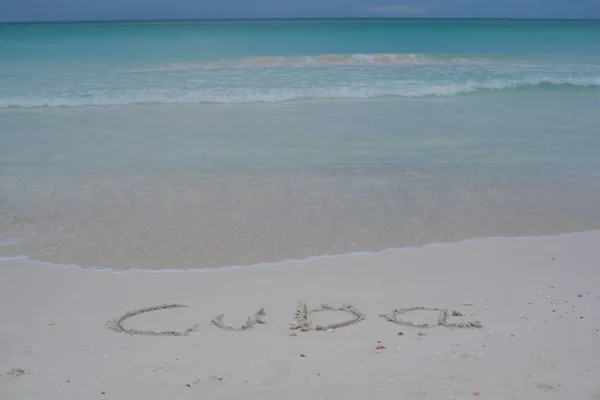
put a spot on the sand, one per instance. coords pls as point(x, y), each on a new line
point(504, 319)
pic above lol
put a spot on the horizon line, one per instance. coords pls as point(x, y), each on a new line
point(126, 20)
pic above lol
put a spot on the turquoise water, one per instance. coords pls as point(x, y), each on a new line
point(271, 61)
point(199, 144)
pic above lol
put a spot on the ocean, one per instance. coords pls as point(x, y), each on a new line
point(202, 144)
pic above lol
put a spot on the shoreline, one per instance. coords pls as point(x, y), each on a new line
point(27, 260)
point(537, 300)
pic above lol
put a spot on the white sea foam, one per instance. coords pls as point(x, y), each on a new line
point(275, 95)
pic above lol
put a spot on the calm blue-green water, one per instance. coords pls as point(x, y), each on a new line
point(270, 61)
point(194, 144)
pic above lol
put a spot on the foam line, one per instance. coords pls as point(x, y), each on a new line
point(23, 258)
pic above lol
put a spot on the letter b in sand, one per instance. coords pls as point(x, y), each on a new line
point(304, 323)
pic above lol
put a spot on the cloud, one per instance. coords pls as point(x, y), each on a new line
point(401, 9)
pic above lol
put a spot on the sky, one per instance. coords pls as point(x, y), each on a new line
point(67, 10)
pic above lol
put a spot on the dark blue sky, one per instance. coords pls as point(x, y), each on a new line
point(47, 10)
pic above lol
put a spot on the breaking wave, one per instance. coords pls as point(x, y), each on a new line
point(321, 60)
point(399, 89)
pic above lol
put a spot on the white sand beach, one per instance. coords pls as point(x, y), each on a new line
point(537, 300)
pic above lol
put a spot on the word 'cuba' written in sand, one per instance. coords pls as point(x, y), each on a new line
point(302, 322)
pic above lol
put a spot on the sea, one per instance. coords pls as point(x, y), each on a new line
point(202, 144)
